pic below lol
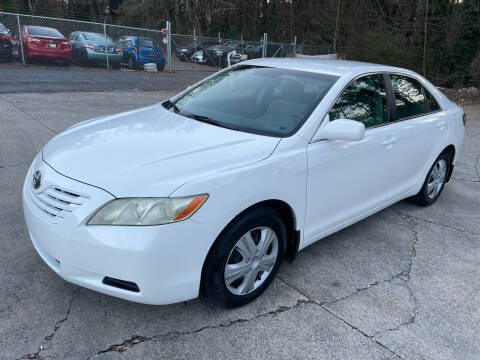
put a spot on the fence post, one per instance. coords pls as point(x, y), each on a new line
point(264, 50)
point(106, 44)
point(195, 39)
point(169, 47)
point(220, 56)
point(20, 38)
point(294, 46)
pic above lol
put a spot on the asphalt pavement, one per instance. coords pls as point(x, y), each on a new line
point(15, 78)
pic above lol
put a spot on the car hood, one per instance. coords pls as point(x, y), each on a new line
point(150, 151)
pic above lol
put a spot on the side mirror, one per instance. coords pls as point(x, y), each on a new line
point(342, 129)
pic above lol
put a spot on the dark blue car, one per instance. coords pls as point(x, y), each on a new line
point(141, 50)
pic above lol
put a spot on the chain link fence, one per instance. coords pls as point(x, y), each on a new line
point(56, 42)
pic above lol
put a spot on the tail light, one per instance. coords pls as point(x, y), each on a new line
point(118, 49)
point(464, 119)
point(162, 52)
point(90, 46)
point(136, 49)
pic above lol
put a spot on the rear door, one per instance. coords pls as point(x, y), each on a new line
point(420, 129)
point(347, 179)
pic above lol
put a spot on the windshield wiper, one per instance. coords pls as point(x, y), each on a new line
point(211, 121)
point(170, 105)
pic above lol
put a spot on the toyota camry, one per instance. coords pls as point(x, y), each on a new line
point(209, 191)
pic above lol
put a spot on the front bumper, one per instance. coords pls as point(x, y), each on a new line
point(164, 261)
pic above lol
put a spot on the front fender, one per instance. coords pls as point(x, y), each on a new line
point(282, 176)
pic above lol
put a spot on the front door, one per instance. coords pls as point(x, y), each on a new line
point(346, 179)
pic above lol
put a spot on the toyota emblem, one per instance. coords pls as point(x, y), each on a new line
point(37, 179)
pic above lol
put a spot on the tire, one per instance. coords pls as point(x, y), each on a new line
point(131, 63)
point(435, 181)
point(258, 267)
point(160, 67)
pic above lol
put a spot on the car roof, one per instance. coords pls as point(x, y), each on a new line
point(327, 66)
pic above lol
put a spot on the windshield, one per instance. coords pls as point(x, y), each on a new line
point(41, 31)
point(262, 100)
point(148, 43)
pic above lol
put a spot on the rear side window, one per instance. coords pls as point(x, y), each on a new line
point(364, 100)
point(409, 97)
point(41, 31)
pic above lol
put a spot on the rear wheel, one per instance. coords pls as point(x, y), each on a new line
point(131, 63)
point(245, 258)
point(434, 182)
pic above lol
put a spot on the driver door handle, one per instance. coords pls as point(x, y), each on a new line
point(389, 141)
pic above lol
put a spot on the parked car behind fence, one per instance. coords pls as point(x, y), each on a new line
point(92, 48)
point(45, 43)
point(185, 53)
point(8, 45)
point(138, 51)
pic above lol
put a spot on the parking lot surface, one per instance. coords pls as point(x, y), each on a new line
point(402, 284)
point(14, 78)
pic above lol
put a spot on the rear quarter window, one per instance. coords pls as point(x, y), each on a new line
point(431, 103)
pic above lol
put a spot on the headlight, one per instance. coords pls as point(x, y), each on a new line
point(147, 211)
point(184, 50)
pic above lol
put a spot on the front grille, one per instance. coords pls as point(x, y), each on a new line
point(54, 202)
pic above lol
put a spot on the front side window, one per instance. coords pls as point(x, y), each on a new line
point(258, 99)
point(409, 97)
point(364, 100)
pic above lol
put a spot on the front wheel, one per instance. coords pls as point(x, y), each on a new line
point(245, 258)
point(434, 182)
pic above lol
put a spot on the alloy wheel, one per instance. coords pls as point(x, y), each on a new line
point(437, 178)
point(251, 261)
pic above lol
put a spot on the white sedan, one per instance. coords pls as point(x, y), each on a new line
point(210, 191)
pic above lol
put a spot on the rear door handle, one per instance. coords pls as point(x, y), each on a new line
point(389, 142)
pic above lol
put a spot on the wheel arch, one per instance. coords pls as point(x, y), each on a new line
point(450, 149)
point(290, 220)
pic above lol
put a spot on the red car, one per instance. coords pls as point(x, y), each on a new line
point(8, 45)
point(47, 43)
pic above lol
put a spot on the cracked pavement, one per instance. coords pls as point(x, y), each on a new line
point(401, 284)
